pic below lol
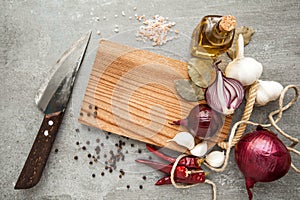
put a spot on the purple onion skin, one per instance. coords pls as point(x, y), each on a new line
point(261, 157)
point(202, 121)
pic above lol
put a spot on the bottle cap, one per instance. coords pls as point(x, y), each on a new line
point(227, 23)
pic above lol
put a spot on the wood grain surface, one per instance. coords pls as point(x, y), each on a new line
point(131, 92)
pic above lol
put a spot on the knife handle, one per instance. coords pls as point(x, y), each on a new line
point(40, 150)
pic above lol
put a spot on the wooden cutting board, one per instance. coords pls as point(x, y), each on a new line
point(131, 92)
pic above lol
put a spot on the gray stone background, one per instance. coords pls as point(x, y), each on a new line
point(33, 35)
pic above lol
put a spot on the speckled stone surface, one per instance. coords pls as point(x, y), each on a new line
point(33, 35)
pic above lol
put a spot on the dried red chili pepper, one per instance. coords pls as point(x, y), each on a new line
point(181, 175)
point(180, 171)
point(188, 161)
point(190, 179)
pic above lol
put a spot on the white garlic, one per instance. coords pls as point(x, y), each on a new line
point(200, 149)
point(184, 139)
point(267, 91)
point(215, 158)
point(244, 69)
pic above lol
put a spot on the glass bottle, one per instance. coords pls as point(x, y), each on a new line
point(213, 36)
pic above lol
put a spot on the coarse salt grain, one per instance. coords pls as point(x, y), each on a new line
point(155, 29)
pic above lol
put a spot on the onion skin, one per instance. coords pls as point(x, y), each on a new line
point(261, 157)
point(225, 94)
point(202, 121)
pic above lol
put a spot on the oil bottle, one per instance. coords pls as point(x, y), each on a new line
point(213, 36)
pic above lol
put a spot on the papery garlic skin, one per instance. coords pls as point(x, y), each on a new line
point(267, 91)
point(215, 158)
point(244, 69)
point(184, 139)
point(200, 149)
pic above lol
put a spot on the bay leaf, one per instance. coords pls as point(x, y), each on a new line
point(201, 72)
point(247, 33)
point(187, 90)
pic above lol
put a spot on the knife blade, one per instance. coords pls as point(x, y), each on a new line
point(52, 99)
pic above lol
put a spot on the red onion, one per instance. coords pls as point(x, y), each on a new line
point(202, 122)
point(225, 94)
point(261, 157)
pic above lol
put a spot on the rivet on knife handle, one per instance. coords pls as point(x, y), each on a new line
point(39, 153)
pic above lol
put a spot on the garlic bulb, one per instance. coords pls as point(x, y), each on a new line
point(184, 139)
point(244, 69)
point(200, 149)
point(267, 91)
point(215, 158)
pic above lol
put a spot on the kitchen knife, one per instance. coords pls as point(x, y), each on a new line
point(52, 99)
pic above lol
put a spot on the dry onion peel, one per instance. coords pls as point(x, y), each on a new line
point(262, 157)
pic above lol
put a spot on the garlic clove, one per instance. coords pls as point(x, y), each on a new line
point(200, 149)
point(244, 69)
point(215, 158)
point(267, 91)
point(184, 139)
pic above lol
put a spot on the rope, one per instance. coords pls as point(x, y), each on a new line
point(297, 153)
point(176, 185)
point(246, 116)
point(282, 108)
point(214, 188)
point(173, 172)
point(230, 140)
